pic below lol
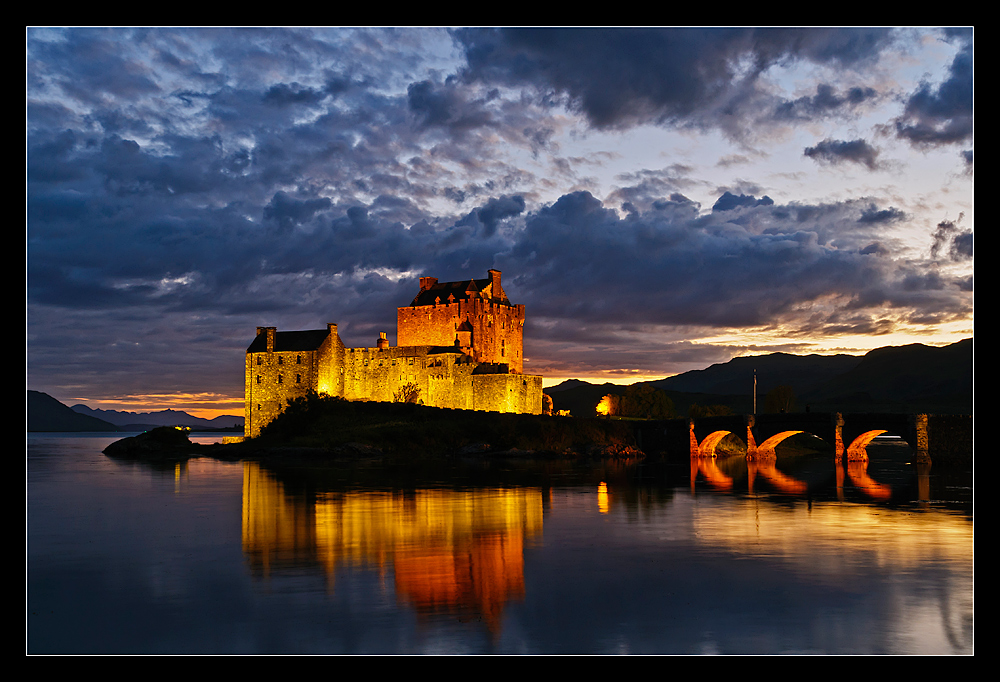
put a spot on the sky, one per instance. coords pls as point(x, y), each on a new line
point(660, 199)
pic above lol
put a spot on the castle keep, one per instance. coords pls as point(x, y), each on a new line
point(459, 343)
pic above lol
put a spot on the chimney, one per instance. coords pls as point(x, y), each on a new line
point(427, 282)
point(495, 290)
point(382, 341)
point(331, 328)
point(270, 336)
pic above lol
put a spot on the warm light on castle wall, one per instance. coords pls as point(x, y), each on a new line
point(483, 374)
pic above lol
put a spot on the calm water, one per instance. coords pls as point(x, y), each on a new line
point(218, 557)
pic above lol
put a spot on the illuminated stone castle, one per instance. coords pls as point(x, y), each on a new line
point(460, 344)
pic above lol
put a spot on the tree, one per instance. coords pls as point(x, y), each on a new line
point(410, 393)
point(646, 402)
point(696, 410)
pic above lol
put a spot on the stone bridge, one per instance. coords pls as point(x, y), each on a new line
point(948, 437)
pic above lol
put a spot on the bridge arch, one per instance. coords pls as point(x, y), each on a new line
point(856, 451)
point(766, 449)
point(707, 447)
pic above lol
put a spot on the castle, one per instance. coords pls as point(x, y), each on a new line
point(459, 343)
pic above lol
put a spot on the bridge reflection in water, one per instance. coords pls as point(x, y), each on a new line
point(455, 552)
point(945, 439)
point(948, 437)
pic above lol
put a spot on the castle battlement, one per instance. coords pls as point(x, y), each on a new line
point(459, 343)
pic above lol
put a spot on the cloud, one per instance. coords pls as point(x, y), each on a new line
point(498, 209)
point(445, 106)
point(625, 77)
point(942, 114)
point(960, 241)
point(872, 215)
point(729, 201)
point(825, 102)
point(288, 211)
point(840, 151)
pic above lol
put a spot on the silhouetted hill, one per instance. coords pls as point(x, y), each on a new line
point(567, 385)
point(913, 378)
point(141, 421)
point(45, 413)
point(802, 372)
point(907, 379)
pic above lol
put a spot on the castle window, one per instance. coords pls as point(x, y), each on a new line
point(298, 359)
point(258, 378)
point(259, 360)
point(280, 379)
point(281, 360)
point(298, 378)
point(258, 407)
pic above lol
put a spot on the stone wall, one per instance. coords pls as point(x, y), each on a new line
point(497, 329)
point(274, 378)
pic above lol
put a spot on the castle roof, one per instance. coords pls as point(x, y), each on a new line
point(310, 339)
point(432, 291)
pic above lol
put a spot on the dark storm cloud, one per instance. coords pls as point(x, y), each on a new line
point(873, 215)
point(587, 263)
point(91, 66)
point(445, 106)
point(960, 241)
point(961, 247)
point(684, 76)
point(827, 101)
point(840, 151)
point(942, 114)
point(288, 211)
point(730, 201)
point(498, 209)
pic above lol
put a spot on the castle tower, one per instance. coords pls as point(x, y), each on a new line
point(474, 315)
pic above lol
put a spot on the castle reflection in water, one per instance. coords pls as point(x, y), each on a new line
point(450, 551)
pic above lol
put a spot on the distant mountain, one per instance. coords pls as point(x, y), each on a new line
point(567, 385)
point(802, 372)
point(45, 413)
point(934, 379)
point(143, 420)
point(913, 378)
